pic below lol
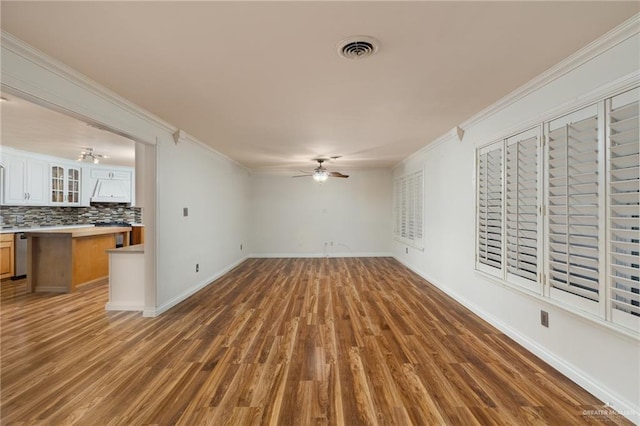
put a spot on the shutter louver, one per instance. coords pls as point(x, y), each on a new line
point(419, 197)
point(490, 207)
point(624, 207)
point(522, 207)
point(573, 228)
point(408, 193)
point(411, 209)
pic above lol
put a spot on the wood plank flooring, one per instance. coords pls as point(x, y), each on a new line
point(277, 341)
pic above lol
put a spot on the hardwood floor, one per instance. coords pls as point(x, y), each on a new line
point(277, 341)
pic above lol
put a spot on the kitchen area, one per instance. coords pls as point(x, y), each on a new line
point(67, 202)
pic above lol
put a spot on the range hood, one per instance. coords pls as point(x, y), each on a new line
point(110, 185)
point(111, 191)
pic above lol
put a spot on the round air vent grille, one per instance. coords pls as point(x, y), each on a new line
point(358, 47)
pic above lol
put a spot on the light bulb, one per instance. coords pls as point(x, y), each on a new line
point(320, 175)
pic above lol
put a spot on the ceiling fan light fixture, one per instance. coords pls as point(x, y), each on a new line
point(90, 156)
point(320, 175)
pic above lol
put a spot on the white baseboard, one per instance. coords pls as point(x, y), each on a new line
point(123, 307)
point(314, 255)
point(613, 401)
point(154, 312)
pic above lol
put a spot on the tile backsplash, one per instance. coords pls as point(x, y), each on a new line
point(29, 216)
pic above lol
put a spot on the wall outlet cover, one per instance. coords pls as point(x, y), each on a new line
point(544, 318)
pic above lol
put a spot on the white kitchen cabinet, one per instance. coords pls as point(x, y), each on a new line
point(65, 185)
point(26, 181)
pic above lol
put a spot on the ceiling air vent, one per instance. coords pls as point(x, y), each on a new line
point(358, 47)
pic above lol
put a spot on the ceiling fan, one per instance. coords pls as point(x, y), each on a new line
point(89, 155)
point(320, 173)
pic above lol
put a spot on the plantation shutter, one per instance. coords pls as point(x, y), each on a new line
point(397, 211)
point(572, 218)
point(489, 205)
point(409, 209)
point(624, 209)
point(417, 196)
point(522, 208)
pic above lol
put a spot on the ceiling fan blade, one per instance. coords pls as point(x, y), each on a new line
point(338, 174)
point(302, 176)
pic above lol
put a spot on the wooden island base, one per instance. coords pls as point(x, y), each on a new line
point(62, 260)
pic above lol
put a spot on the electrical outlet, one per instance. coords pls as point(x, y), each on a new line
point(197, 267)
point(544, 318)
point(406, 250)
point(240, 247)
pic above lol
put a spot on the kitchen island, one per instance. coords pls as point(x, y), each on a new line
point(62, 260)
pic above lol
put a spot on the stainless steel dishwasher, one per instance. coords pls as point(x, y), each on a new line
point(20, 246)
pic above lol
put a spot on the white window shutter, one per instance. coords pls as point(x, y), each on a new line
point(573, 222)
point(489, 205)
point(396, 209)
point(624, 209)
point(409, 209)
point(522, 206)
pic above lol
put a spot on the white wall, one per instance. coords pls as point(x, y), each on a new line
point(296, 216)
point(215, 191)
point(605, 362)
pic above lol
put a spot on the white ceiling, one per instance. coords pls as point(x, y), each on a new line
point(262, 82)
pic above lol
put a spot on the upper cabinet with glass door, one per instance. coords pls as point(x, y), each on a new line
point(65, 185)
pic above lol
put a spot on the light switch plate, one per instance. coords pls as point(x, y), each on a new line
point(185, 211)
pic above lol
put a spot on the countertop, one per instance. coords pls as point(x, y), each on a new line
point(77, 232)
point(41, 228)
point(138, 248)
point(50, 228)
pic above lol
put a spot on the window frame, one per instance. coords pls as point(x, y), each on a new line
point(481, 266)
point(604, 313)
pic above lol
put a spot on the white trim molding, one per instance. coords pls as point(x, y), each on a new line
point(154, 312)
point(180, 136)
point(315, 255)
point(11, 81)
point(622, 32)
point(30, 53)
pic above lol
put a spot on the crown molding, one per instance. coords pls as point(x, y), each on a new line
point(608, 90)
point(58, 68)
point(41, 59)
point(180, 136)
point(456, 134)
point(622, 32)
